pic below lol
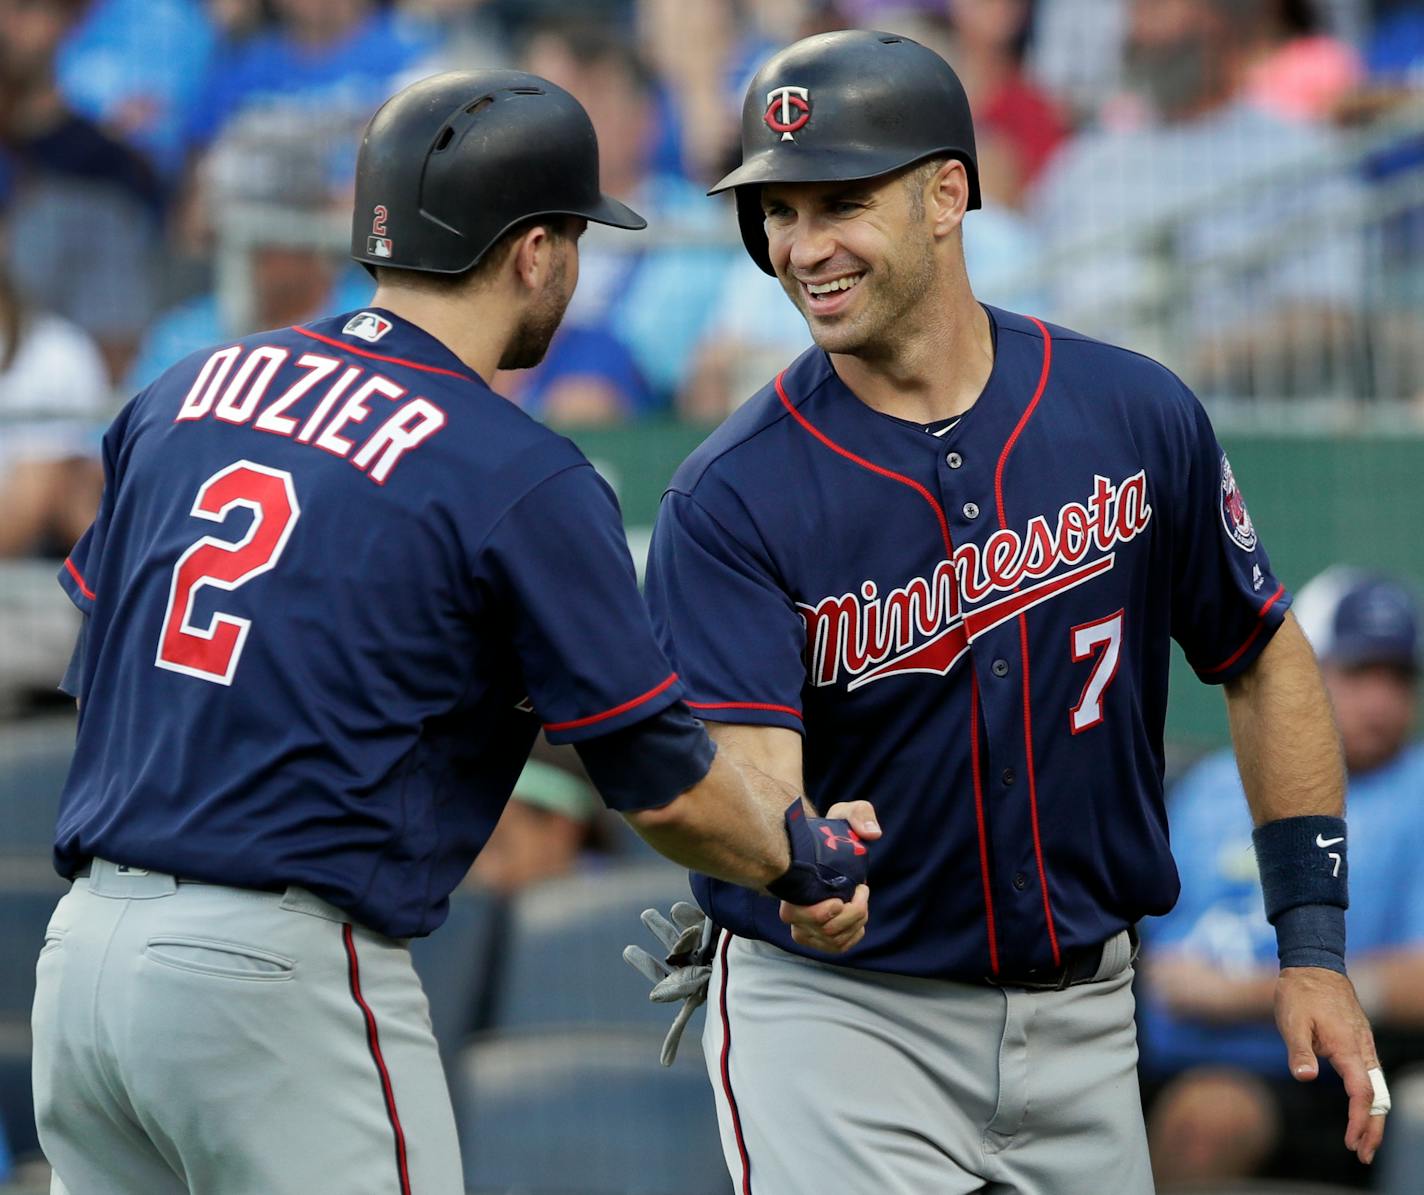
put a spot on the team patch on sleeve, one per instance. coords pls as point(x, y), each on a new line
point(1234, 516)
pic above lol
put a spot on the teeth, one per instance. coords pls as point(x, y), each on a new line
point(825, 288)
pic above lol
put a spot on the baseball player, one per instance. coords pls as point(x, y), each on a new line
point(938, 562)
point(335, 588)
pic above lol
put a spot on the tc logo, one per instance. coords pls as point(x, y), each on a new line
point(787, 109)
point(834, 840)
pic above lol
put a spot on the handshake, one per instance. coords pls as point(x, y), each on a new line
point(824, 899)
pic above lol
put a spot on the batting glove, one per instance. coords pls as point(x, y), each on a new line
point(828, 859)
point(684, 972)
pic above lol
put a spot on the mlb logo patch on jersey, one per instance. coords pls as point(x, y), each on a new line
point(368, 326)
point(378, 246)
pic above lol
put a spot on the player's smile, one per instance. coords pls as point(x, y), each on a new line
point(831, 295)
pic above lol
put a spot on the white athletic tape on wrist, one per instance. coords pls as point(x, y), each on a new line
point(1381, 1104)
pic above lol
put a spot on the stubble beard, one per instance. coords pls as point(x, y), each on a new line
point(535, 331)
point(897, 287)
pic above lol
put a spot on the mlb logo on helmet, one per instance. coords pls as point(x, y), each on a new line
point(378, 246)
point(787, 110)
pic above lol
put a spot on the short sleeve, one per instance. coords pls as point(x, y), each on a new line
point(559, 558)
point(1226, 603)
point(732, 631)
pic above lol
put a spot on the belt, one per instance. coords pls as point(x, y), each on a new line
point(1078, 966)
point(123, 869)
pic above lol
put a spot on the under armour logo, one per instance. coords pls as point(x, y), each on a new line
point(834, 840)
point(787, 110)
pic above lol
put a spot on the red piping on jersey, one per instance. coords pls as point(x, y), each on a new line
point(948, 555)
point(726, 1069)
point(1250, 639)
point(373, 1042)
point(616, 710)
point(1023, 641)
point(865, 464)
point(745, 705)
point(89, 593)
point(979, 819)
point(351, 348)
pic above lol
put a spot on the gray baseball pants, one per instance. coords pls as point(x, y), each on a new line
point(195, 1038)
point(832, 1079)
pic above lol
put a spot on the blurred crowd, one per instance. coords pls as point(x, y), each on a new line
point(1229, 184)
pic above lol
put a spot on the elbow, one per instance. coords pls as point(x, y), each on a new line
point(661, 819)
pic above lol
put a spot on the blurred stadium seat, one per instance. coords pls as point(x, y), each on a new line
point(562, 960)
point(457, 965)
point(34, 760)
point(587, 1112)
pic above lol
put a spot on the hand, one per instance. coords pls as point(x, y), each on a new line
point(1317, 1013)
point(834, 926)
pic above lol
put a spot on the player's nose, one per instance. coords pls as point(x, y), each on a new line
point(809, 244)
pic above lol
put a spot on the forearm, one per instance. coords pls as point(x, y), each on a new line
point(730, 826)
point(1287, 748)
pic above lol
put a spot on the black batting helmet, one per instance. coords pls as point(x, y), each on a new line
point(452, 162)
point(846, 105)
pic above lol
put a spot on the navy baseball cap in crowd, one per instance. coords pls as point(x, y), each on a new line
point(1355, 618)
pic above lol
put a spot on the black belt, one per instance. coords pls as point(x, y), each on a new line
point(1078, 966)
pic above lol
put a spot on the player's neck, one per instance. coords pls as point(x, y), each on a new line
point(935, 373)
point(475, 335)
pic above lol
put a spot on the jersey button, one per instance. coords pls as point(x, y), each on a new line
point(954, 460)
point(1007, 776)
point(971, 510)
point(1000, 667)
point(1020, 881)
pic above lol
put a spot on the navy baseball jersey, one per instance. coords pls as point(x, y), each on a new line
point(972, 630)
point(335, 586)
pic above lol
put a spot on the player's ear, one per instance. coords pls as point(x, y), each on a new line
point(532, 256)
point(947, 196)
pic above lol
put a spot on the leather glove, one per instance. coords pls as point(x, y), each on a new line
point(684, 972)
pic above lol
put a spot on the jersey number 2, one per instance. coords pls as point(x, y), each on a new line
point(1106, 634)
point(211, 653)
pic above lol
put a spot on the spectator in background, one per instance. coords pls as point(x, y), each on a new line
point(85, 218)
point(136, 67)
point(1212, 213)
point(324, 57)
point(631, 327)
point(551, 819)
point(1301, 72)
point(54, 401)
point(267, 191)
point(1020, 121)
point(1230, 1108)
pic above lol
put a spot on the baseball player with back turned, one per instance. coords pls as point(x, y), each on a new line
point(335, 586)
point(938, 563)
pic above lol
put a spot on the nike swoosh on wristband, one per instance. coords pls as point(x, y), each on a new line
point(1322, 841)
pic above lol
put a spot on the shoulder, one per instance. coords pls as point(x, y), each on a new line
point(753, 432)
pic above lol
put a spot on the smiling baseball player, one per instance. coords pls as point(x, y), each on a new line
point(938, 562)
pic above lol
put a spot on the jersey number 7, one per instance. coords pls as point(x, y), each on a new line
point(211, 653)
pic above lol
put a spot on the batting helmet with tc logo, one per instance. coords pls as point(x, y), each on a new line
point(846, 105)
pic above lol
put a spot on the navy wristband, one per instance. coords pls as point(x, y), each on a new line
point(1312, 936)
point(827, 859)
point(1305, 885)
